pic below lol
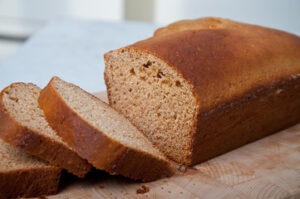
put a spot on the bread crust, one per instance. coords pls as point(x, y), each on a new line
point(29, 182)
point(235, 71)
point(12, 132)
point(101, 151)
point(197, 24)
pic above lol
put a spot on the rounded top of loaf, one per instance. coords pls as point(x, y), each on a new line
point(197, 24)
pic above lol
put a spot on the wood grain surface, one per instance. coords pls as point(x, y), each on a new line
point(268, 168)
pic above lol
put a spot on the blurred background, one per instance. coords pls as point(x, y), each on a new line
point(20, 19)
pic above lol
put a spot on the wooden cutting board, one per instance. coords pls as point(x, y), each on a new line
point(268, 168)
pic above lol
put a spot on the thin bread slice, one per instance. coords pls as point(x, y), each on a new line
point(100, 134)
point(23, 124)
point(22, 175)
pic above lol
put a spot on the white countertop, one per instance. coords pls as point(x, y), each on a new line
point(72, 50)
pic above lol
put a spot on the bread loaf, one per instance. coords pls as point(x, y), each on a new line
point(23, 124)
point(200, 88)
point(100, 134)
point(22, 175)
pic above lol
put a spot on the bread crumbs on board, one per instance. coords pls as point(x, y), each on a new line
point(143, 189)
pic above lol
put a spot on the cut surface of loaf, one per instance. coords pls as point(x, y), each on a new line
point(100, 134)
point(156, 98)
point(23, 124)
point(22, 175)
point(203, 87)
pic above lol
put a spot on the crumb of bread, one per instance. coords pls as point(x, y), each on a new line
point(182, 168)
point(144, 189)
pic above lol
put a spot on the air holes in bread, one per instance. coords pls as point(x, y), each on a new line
point(13, 99)
point(132, 72)
point(147, 64)
point(160, 74)
point(178, 84)
point(143, 78)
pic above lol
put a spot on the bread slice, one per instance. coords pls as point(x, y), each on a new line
point(200, 88)
point(22, 175)
point(23, 124)
point(100, 134)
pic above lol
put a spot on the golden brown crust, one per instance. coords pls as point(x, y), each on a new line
point(101, 151)
point(231, 67)
point(29, 182)
point(12, 132)
point(197, 24)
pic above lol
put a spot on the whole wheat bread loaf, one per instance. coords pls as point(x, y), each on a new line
point(200, 88)
point(23, 124)
point(22, 175)
point(100, 134)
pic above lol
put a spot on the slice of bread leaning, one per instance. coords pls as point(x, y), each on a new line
point(23, 124)
point(22, 175)
point(100, 134)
